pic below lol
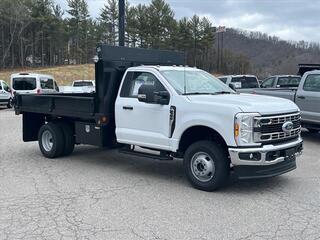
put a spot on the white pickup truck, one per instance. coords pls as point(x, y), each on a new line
point(177, 112)
point(79, 86)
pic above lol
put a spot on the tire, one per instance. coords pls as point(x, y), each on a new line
point(210, 160)
point(9, 105)
point(69, 140)
point(312, 130)
point(51, 140)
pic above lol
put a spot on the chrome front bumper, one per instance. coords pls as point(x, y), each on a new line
point(264, 150)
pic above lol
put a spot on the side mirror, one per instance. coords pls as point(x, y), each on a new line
point(162, 97)
point(146, 93)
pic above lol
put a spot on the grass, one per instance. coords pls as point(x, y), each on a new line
point(64, 75)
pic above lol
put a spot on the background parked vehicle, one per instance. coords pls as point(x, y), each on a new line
point(281, 81)
point(241, 82)
point(5, 94)
point(145, 101)
point(33, 83)
point(83, 83)
point(306, 96)
point(80, 86)
point(86, 86)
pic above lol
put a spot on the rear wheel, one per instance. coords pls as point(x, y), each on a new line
point(313, 130)
point(51, 140)
point(69, 140)
point(206, 165)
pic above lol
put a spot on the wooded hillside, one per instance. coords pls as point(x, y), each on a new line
point(38, 33)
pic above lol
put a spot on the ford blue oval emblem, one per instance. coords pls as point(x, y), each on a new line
point(287, 127)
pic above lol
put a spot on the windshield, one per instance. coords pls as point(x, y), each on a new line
point(246, 82)
point(83, 84)
point(24, 83)
point(195, 82)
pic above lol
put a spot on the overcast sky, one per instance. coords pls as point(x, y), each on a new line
point(288, 19)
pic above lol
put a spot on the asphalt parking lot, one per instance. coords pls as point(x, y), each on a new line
point(96, 194)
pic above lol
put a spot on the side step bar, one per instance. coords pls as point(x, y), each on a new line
point(163, 156)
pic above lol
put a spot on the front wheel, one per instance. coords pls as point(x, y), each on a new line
point(206, 165)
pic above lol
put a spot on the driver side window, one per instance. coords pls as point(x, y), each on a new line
point(134, 80)
point(268, 83)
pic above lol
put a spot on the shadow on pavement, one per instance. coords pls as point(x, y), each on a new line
point(171, 171)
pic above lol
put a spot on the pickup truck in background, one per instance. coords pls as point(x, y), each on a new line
point(281, 81)
point(241, 83)
point(143, 100)
point(80, 86)
point(306, 96)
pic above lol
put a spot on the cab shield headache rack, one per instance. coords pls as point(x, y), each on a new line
point(306, 67)
point(139, 56)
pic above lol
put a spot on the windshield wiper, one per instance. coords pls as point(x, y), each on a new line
point(222, 92)
point(207, 93)
point(197, 93)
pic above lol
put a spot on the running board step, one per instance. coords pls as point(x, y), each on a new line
point(162, 157)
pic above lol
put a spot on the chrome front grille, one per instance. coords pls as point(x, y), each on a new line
point(269, 129)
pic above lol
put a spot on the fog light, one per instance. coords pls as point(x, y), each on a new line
point(273, 155)
point(250, 156)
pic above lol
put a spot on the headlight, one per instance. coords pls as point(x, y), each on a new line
point(243, 128)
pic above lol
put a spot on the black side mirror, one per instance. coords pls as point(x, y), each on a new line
point(232, 86)
point(146, 93)
point(162, 97)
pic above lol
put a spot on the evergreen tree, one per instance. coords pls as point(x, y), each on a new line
point(109, 22)
point(161, 23)
point(78, 30)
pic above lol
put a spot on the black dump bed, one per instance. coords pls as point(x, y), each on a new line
point(109, 70)
point(71, 105)
point(303, 68)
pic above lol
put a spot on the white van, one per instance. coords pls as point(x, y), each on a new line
point(33, 83)
point(5, 94)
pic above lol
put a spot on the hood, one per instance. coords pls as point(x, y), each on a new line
point(249, 102)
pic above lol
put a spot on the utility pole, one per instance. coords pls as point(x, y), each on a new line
point(121, 22)
point(220, 32)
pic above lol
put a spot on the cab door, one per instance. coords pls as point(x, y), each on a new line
point(308, 98)
point(139, 123)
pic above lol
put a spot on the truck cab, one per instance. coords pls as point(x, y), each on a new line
point(241, 83)
point(281, 81)
point(147, 100)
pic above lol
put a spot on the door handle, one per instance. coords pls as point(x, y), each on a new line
point(302, 97)
point(127, 107)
